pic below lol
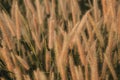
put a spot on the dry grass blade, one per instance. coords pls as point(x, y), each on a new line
point(63, 9)
point(85, 41)
point(112, 4)
point(62, 70)
point(81, 52)
point(105, 10)
point(13, 10)
point(81, 25)
point(17, 21)
point(36, 76)
point(37, 42)
point(108, 51)
point(26, 77)
point(48, 61)
point(39, 75)
point(46, 2)
point(6, 37)
point(109, 11)
point(39, 12)
point(118, 20)
point(62, 58)
point(23, 62)
point(79, 73)
point(29, 5)
point(94, 63)
point(52, 77)
point(72, 68)
point(51, 33)
point(75, 11)
point(86, 71)
point(9, 24)
point(95, 5)
point(110, 67)
point(90, 32)
point(53, 9)
point(16, 70)
point(7, 58)
point(96, 30)
point(58, 48)
point(17, 73)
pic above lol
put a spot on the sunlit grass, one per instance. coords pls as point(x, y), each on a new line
point(56, 40)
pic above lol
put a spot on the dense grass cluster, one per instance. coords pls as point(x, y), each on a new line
point(60, 40)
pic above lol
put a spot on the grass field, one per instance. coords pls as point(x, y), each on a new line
point(60, 40)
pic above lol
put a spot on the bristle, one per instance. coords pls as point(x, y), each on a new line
point(7, 58)
point(48, 61)
point(39, 12)
point(46, 2)
point(81, 52)
point(72, 68)
point(51, 33)
point(9, 23)
point(17, 20)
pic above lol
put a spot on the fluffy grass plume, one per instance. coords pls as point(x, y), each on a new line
point(60, 40)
